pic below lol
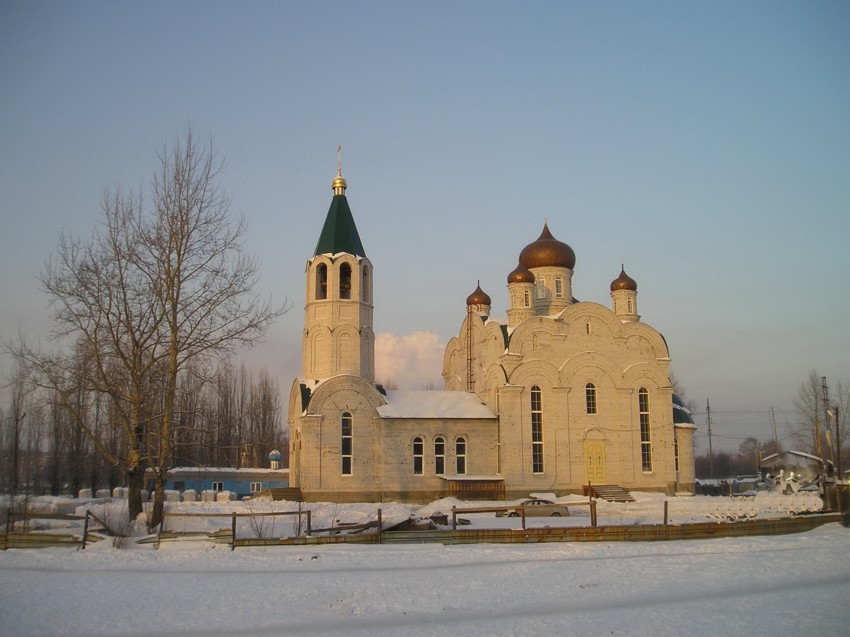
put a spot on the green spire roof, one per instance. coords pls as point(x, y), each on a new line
point(339, 234)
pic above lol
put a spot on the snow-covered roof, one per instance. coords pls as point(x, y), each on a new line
point(433, 404)
point(800, 454)
point(225, 470)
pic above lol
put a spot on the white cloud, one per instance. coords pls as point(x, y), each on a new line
point(411, 361)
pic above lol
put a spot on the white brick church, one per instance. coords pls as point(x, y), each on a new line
point(558, 395)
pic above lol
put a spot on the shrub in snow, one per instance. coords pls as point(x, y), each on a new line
point(172, 496)
point(84, 494)
point(208, 495)
point(190, 495)
point(119, 492)
point(225, 496)
point(103, 493)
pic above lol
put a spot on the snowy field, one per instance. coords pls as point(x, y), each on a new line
point(782, 585)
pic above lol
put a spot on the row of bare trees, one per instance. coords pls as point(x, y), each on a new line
point(50, 447)
point(159, 295)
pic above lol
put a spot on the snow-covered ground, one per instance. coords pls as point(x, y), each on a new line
point(781, 585)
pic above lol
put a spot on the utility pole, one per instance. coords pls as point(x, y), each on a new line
point(710, 453)
point(837, 449)
point(825, 396)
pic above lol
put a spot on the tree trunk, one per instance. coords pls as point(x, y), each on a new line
point(135, 483)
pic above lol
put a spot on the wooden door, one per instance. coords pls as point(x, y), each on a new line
point(594, 458)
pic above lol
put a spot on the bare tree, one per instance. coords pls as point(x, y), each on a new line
point(19, 389)
point(150, 295)
point(808, 434)
point(816, 431)
point(201, 281)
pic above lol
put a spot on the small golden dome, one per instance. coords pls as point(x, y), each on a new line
point(479, 297)
point(547, 251)
point(624, 282)
point(339, 185)
point(521, 274)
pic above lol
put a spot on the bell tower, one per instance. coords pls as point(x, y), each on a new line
point(338, 334)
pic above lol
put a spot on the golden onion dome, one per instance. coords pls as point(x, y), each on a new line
point(624, 282)
point(547, 251)
point(521, 274)
point(479, 297)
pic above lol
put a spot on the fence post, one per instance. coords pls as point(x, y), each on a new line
point(454, 519)
point(85, 529)
point(309, 522)
point(665, 512)
point(8, 521)
point(593, 513)
point(380, 527)
point(233, 531)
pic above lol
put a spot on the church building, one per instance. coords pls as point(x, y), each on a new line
point(558, 395)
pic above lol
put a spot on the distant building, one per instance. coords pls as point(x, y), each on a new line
point(559, 394)
point(241, 482)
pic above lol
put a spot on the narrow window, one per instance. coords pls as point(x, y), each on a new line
point(588, 328)
point(218, 486)
point(256, 487)
point(460, 456)
point(367, 286)
point(629, 305)
point(645, 441)
point(418, 456)
point(439, 455)
point(541, 288)
point(322, 281)
point(676, 451)
point(345, 281)
point(526, 299)
point(590, 397)
point(346, 443)
point(536, 430)
point(559, 287)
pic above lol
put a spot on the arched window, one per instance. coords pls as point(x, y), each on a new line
point(645, 439)
point(536, 430)
point(439, 455)
point(460, 456)
point(366, 293)
point(346, 443)
point(418, 456)
point(345, 281)
point(590, 398)
point(322, 281)
point(559, 287)
point(526, 299)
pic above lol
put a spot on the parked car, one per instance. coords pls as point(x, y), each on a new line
point(536, 508)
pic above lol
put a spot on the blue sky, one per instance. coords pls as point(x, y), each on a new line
point(705, 145)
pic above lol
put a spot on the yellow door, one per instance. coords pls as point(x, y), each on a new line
point(594, 457)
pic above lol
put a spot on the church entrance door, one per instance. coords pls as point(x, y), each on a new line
point(594, 458)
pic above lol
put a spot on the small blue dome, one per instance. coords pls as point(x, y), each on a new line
point(681, 414)
point(274, 456)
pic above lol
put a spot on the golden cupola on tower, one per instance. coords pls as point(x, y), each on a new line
point(624, 282)
point(479, 298)
point(521, 274)
point(547, 251)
